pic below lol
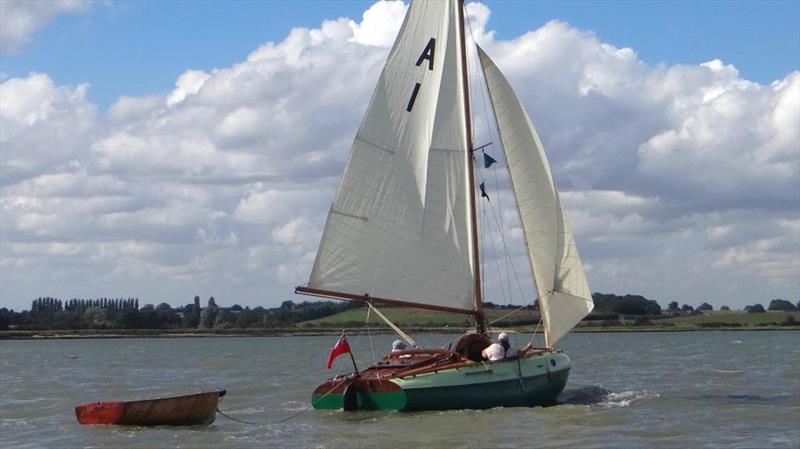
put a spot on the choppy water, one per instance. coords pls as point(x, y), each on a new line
point(649, 390)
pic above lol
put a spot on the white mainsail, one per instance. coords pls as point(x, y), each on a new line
point(564, 296)
point(398, 228)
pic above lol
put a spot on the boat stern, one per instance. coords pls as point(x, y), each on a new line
point(355, 393)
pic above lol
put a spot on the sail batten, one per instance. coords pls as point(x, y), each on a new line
point(564, 296)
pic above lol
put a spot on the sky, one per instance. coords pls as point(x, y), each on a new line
point(169, 149)
point(141, 47)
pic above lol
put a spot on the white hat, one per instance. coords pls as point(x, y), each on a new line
point(398, 345)
point(503, 336)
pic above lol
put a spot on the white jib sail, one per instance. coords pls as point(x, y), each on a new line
point(564, 296)
point(398, 226)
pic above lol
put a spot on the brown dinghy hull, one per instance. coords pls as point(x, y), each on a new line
point(188, 410)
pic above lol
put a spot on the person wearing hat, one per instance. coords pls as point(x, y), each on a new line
point(398, 346)
point(500, 350)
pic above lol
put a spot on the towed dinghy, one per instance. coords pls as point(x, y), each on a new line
point(187, 410)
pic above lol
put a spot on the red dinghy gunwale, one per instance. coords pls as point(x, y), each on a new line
point(100, 412)
point(186, 410)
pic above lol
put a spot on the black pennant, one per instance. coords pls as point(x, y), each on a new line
point(483, 191)
point(488, 161)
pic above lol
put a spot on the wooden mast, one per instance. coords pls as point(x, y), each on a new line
point(476, 260)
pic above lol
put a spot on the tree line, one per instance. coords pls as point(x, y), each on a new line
point(639, 305)
point(125, 313)
point(48, 305)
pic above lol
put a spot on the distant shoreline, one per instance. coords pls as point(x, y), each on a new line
point(310, 332)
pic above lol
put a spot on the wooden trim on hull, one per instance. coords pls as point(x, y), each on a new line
point(373, 299)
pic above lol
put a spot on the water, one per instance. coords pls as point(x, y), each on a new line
point(634, 390)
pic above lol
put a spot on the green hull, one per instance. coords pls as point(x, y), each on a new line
point(527, 381)
point(394, 400)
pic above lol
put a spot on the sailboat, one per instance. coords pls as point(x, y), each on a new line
point(402, 230)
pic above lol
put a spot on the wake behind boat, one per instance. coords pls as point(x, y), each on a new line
point(403, 229)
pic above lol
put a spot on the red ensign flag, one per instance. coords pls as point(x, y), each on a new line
point(341, 347)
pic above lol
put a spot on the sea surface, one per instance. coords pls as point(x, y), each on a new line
point(626, 390)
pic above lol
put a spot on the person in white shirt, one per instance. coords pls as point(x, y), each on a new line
point(500, 350)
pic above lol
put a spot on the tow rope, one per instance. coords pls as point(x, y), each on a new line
point(283, 420)
point(280, 421)
point(235, 419)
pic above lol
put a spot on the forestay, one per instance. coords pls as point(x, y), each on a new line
point(398, 227)
point(564, 295)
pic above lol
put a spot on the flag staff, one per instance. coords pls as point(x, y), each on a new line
point(355, 368)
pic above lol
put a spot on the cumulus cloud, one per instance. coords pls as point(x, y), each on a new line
point(44, 127)
point(681, 182)
point(19, 19)
point(189, 83)
point(665, 170)
point(379, 25)
point(262, 205)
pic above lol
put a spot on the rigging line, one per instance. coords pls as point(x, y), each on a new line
point(477, 64)
point(483, 87)
point(484, 90)
point(484, 228)
point(361, 333)
point(507, 294)
point(482, 223)
point(508, 314)
point(494, 251)
point(513, 268)
point(501, 230)
point(516, 276)
point(484, 102)
point(490, 130)
point(502, 225)
point(537, 325)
